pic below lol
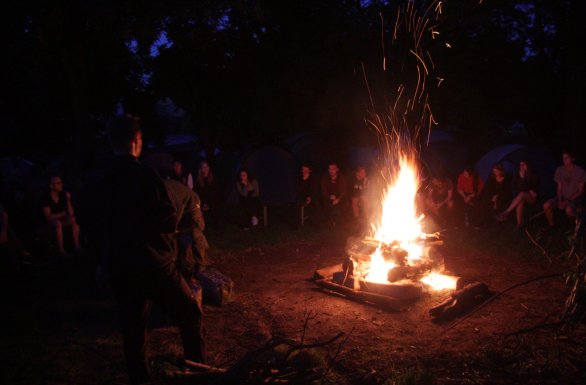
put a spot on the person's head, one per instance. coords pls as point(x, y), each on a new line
point(437, 182)
point(178, 167)
point(568, 158)
point(333, 170)
point(524, 167)
point(498, 170)
point(305, 171)
point(360, 172)
point(243, 176)
point(125, 135)
point(55, 184)
point(469, 171)
point(204, 168)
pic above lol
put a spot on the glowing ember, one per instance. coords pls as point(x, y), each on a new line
point(440, 281)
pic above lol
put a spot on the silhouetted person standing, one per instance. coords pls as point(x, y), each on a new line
point(129, 217)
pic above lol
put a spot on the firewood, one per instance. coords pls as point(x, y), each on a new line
point(361, 296)
point(327, 272)
point(471, 290)
point(403, 290)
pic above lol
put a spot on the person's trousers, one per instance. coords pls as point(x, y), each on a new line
point(135, 293)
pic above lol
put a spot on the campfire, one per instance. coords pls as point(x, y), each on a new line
point(397, 261)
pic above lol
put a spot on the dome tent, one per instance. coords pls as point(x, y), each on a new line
point(276, 171)
point(542, 162)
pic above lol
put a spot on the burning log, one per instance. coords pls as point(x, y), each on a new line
point(406, 290)
point(383, 301)
point(327, 272)
point(461, 301)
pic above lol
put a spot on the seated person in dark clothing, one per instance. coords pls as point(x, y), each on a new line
point(524, 191)
point(58, 212)
point(333, 191)
point(249, 197)
point(358, 198)
point(189, 239)
point(308, 192)
point(496, 194)
point(439, 202)
point(206, 186)
point(129, 217)
point(179, 173)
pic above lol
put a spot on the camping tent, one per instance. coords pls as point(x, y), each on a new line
point(542, 162)
point(276, 171)
point(443, 154)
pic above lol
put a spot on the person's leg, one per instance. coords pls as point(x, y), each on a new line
point(514, 203)
point(519, 213)
point(75, 234)
point(355, 208)
point(57, 227)
point(548, 210)
point(177, 298)
point(134, 314)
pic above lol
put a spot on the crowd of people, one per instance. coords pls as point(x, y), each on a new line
point(469, 202)
point(148, 229)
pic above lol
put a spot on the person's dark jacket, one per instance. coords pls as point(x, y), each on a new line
point(126, 212)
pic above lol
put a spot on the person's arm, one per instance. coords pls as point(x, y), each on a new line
point(255, 189)
point(343, 189)
point(3, 225)
point(53, 217)
point(190, 181)
point(70, 212)
point(448, 198)
point(578, 193)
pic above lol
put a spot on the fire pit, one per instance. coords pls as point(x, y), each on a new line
point(398, 262)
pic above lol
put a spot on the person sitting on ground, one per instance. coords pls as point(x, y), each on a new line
point(439, 201)
point(524, 191)
point(570, 179)
point(469, 186)
point(496, 193)
point(307, 191)
point(58, 212)
point(206, 188)
point(249, 197)
point(180, 174)
point(358, 189)
point(333, 191)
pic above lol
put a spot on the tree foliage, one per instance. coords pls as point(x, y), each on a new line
point(249, 70)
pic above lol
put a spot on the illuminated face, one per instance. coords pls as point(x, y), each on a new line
point(178, 168)
point(497, 171)
point(138, 141)
point(305, 172)
point(567, 159)
point(205, 169)
point(243, 177)
point(522, 167)
point(360, 174)
point(333, 171)
point(56, 184)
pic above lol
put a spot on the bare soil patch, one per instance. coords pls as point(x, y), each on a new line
point(61, 329)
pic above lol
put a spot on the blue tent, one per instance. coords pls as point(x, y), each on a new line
point(542, 162)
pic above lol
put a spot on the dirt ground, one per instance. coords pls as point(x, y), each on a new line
point(60, 329)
